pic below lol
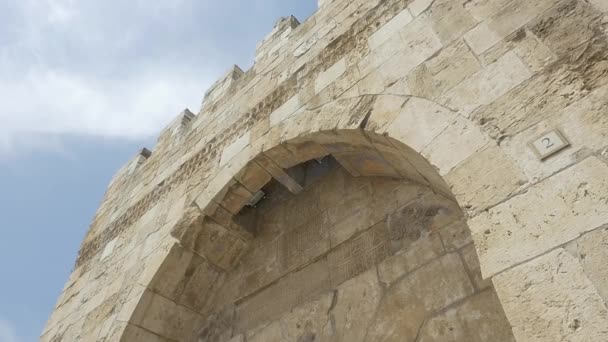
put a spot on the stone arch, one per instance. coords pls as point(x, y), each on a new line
point(390, 136)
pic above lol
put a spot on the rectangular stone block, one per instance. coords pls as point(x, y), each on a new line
point(301, 244)
point(551, 299)
point(450, 19)
point(359, 254)
point(165, 318)
point(487, 85)
point(463, 134)
point(423, 251)
point(390, 28)
point(443, 71)
point(483, 180)
point(592, 251)
point(548, 215)
point(419, 123)
point(285, 111)
point(330, 75)
point(290, 291)
point(253, 177)
point(233, 149)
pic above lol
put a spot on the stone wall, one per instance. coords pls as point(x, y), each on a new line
point(357, 259)
point(446, 94)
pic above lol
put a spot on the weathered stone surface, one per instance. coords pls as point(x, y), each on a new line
point(487, 85)
point(354, 306)
point(403, 312)
point(592, 252)
point(461, 323)
point(488, 173)
point(441, 152)
point(571, 309)
point(552, 213)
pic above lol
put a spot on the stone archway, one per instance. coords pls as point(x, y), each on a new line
point(203, 277)
point(369, 136)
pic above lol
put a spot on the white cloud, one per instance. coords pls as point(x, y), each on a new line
point(76, 68)
point(7, 332)
point(117, 68)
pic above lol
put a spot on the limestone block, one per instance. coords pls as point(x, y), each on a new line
point(163, 317)
point(483, 9)
point(358, 254)
point(384, 111)
point(358, 219)
point(463, 134)
point(421, 252)
point(233, 149)
point(380, 55)
point(450, 20)
point(419, 43)
point(367, 162)
point(548, 215)
point(235, 198)
point(443, 71)
point(485, 179)
point(600, 4)
point(471, 262)
point(390, 28)
point(422, 165)
point(355, 304)
point(516, 14)
point(136, 334)
point(330, 75)
point(487, 85)
point(303, 243)
point(281, 156)
point(253, 177)
point(566, 26)
point(171, 272)
point(551, 299)
point(463, 323)
point(583, 123)
point(303, 150)
point(593, 252)
point(308, 322)
point(269, 333)
point(417, 124)
point(293, 290)
point(396, 159)
point(220, 246)
point(278, 174)
point(456, 235)
point(481, 38)
point(285, 111)
point(416, 7)
point(402, 311)
point(527, 46)
point(198, 285)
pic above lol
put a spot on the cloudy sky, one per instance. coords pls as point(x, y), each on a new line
point(83, 85)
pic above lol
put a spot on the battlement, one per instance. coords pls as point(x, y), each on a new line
point(277, 38)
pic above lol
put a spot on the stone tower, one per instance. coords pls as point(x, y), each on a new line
point(388, 170)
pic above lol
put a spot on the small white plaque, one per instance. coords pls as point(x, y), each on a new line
point(549, 144)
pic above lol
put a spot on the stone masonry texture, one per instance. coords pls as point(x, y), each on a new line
point(369, 179)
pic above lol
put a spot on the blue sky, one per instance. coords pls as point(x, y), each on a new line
point(83, 85)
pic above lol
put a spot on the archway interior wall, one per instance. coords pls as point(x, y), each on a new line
point(347, 247)
point(483, 77)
